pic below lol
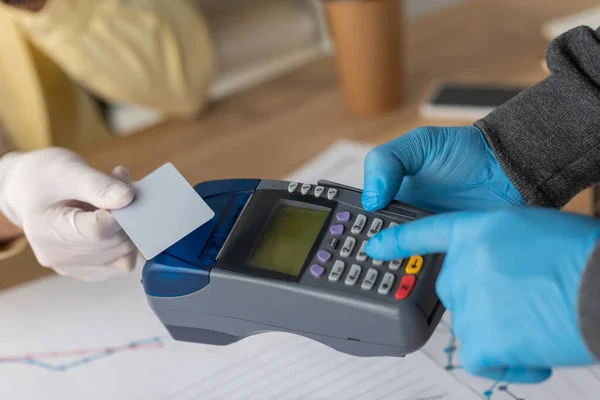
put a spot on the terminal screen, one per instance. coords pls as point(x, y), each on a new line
point(288, 238)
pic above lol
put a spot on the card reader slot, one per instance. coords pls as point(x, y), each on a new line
point(228, 240)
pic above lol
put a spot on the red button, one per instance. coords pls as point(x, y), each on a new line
point(406, 285)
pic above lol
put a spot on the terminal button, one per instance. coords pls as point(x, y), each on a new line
point(337, 271)
point(362, 254)
point(316, 270)
point(415, 263)
point(333, 243)
point(292, 187)
point(406, 286)
point(331, 193)
point(395, 264)
point(377, 263)
point(305, 188)
point(319, 191)
point(370, 279)
point(336, 230)
point(323, 256)
point(393, 224)
point(375, 227)
point(386, 283)
point(348, 247)
point(359, 224)
point(353, 275)
point(343, 216)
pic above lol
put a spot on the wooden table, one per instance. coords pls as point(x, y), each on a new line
point(271, 130)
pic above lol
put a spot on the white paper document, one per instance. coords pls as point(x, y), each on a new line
point(61, 339)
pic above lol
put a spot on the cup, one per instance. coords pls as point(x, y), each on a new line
point(367, 40)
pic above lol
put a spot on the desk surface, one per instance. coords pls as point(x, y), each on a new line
point(271, 130)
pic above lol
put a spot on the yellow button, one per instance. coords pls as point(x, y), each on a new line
point(414, 265)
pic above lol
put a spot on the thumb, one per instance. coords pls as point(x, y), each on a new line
point(386, 166)
point(423, 236)
point(98, 189)
point(122, 174)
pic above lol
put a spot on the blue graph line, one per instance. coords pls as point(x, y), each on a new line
point(87, 359)
point(450, 351)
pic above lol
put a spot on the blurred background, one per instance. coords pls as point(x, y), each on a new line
point(273, 86)
point(289, 79)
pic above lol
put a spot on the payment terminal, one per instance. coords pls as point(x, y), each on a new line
point(289, 257)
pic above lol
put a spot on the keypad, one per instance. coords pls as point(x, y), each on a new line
point(337, 263)
point(381, 277)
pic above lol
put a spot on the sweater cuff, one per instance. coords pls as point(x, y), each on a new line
point(546, 140)
point(589, 304)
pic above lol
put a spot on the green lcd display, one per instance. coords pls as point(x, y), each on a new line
point(288, 239)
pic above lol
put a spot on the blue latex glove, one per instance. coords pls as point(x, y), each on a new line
point(438, 169)
point(511, 280)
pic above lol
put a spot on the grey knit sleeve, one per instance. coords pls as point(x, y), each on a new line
point(547, 138)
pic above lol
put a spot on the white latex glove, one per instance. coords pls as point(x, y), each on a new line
point(61, 204)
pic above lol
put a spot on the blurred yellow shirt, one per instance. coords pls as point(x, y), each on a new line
point(156, 54)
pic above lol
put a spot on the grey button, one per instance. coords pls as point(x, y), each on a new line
point(376, 226)
point(393, 224)
point(305, 188)
point(348, 247)
point(377, 263)
point(353, 275)
point(292, 187)
point(362, 255)
point(370, 279)
point(386, 283)
point(337, 270)
point(319, 191)
point(395, 264)
point(359, 224)
point(331, 193)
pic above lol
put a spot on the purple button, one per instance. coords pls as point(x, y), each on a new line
point(323, 256)
point(336, 229)
point(343, 216)
point(316, 270)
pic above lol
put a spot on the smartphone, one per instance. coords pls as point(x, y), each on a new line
point(462, 101)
